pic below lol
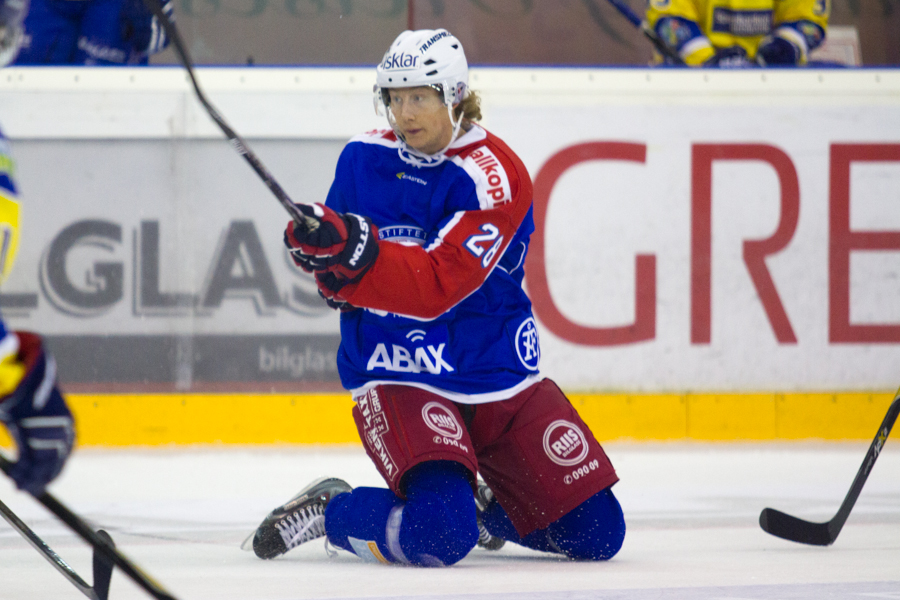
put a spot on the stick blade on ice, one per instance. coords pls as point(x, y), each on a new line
point(791, 528)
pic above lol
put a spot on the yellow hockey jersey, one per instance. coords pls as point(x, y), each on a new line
point(697, 28)
point(9, 211)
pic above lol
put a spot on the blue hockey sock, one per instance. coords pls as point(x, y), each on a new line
point(434, 527)
point(594, 530)
point(438, 522)
point(356, 522)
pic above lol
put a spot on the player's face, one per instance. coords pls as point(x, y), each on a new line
point(420, 115)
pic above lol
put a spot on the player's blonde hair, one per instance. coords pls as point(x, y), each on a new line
point(469, 108)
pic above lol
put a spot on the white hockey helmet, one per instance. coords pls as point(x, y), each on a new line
point(432, 57)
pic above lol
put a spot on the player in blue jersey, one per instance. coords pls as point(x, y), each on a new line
point(31, 407)
point(421, 244)
point(91, 32)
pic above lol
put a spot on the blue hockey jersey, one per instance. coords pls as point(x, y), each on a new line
point(443, 304)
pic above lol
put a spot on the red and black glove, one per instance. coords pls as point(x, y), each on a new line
point(343, 244)
point(329, 285)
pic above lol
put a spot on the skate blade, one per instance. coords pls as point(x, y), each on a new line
point(248, 543)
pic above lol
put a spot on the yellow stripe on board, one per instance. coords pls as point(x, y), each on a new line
point(734, 417)
point(158, 419)
point(155, 419)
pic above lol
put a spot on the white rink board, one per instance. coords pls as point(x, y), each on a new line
point(601, 214)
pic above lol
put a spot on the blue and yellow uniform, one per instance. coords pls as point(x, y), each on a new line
point(9, 211)
point(767, 32)
point(11, 370)
point(31, 405)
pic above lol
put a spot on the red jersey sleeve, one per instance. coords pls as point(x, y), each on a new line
point(425, 282)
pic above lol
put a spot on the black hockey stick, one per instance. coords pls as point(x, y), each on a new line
point(102, 567)
point(660, 45)
point(823, 534)
point(236, 141)
point(101, 543)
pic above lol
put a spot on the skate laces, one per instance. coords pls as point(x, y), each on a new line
point(303, 525)
point(484, 536)
point(483, 497)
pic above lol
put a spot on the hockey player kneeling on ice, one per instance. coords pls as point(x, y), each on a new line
point(420, 245)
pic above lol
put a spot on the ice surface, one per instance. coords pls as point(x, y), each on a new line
point(692, 509)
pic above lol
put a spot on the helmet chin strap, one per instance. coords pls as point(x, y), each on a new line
point(414, 157)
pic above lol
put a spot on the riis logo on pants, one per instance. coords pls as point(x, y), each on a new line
point(564, 443)
point(445, 424)
point(440, 420)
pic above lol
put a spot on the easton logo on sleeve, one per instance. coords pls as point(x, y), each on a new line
point(401, 175)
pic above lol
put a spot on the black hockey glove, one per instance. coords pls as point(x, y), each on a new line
point(36, 415)
point(343, 244)
point(733, 57)
point(305, 261)
point(142, 30)
point(329, 285)
point(775, 51)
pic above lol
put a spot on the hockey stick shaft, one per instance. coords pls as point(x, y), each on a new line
point(660, 45)
point(823, 534)
point(236, 141)
point(872, 454)
point(100, 545)
point(47, 552)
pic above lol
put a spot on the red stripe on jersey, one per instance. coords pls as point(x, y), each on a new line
point(415, 282)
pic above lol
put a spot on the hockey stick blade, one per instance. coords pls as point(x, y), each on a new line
point(791, 528)
point(798, 530)
point(103, 568)
point(235, 140)
point(47, 552)
point(101, 543)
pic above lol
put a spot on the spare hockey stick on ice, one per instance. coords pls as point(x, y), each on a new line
point(102, 567)
point(660, 45)
point(823, 534)
point(102, 544)
point(237, 142)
